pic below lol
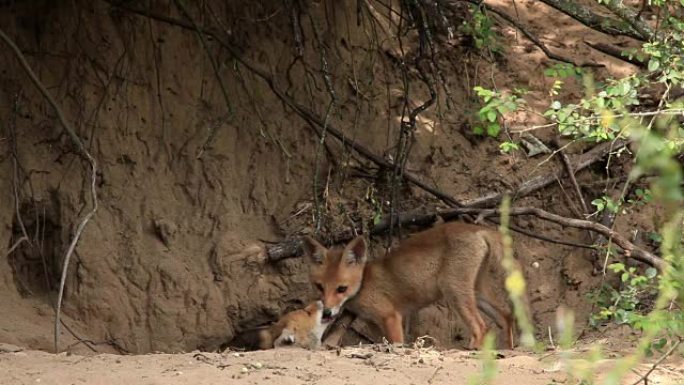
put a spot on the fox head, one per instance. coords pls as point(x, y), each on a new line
point(336, 274)
point(303, 328)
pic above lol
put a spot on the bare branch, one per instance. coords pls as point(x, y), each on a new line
point(533, 38)
point(592, 20)
point(616, 53)
point(660, 360)
point(630, 16)
point(579, 162)
point(82, 149)
point(628, 248)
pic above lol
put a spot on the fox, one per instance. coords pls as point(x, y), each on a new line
point(454, 261)
point(301, 328)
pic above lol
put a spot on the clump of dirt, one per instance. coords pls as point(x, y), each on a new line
point(192, 186)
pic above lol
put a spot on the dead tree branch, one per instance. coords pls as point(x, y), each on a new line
point(628, 248)
point(292, 248)
point(579, 162)
point(82, 149)
point(630, 16)
point(532, 37)
point(571, 174)
point(592, 20)
point(616, 53)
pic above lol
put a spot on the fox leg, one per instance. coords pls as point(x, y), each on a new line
point(489, 303)
point(465, 304)
point(334, 334)
point(393, 327)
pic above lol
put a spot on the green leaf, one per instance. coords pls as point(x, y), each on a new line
point(491, 116)
point(599, 203)
point(615, 267)
point(478, 130)
point(653, 64)
point(651, 273)
point(624, 277)
point(660, 344)
point(493, 130)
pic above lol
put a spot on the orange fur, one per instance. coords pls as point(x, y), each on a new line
point(303, 328)
point(458, 262)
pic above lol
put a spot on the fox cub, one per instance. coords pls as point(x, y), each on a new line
point(303, 328)
point(458, 262)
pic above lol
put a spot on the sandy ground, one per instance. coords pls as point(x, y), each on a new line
point(359, 365)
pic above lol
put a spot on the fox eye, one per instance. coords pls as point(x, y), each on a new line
point(341, 289)
point(319, 287)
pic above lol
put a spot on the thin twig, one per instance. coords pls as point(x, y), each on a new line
point(668, 111)
point(217, 73)
point(16, 244)
point(671, 350)
point(571, 175)
point(82, 149)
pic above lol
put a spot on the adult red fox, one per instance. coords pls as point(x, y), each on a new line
point(458, 262)
point(303, 328)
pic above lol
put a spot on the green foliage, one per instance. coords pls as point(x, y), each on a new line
point(563, 70)
point(490, 115)
point(606, 203)
point(625, 304)
point(479, 28)
point(507, 147)
point(648, 300)
point(641, 197)
point(593, 118)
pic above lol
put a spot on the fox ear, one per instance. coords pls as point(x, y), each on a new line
point(355, 252)
point(313, 250)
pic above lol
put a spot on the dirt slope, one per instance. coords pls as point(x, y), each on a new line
point(173, 260)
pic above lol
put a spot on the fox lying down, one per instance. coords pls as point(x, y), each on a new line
point(302, 328)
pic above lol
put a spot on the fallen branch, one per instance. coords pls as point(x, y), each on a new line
point(594, 21)
point(616, 53)
point(630, 16)
point(628, 248)
point(79, 145)
point(579, 162)
point(292, 248)
point(533, 38)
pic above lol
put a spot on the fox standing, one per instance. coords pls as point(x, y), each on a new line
point(455, 261)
